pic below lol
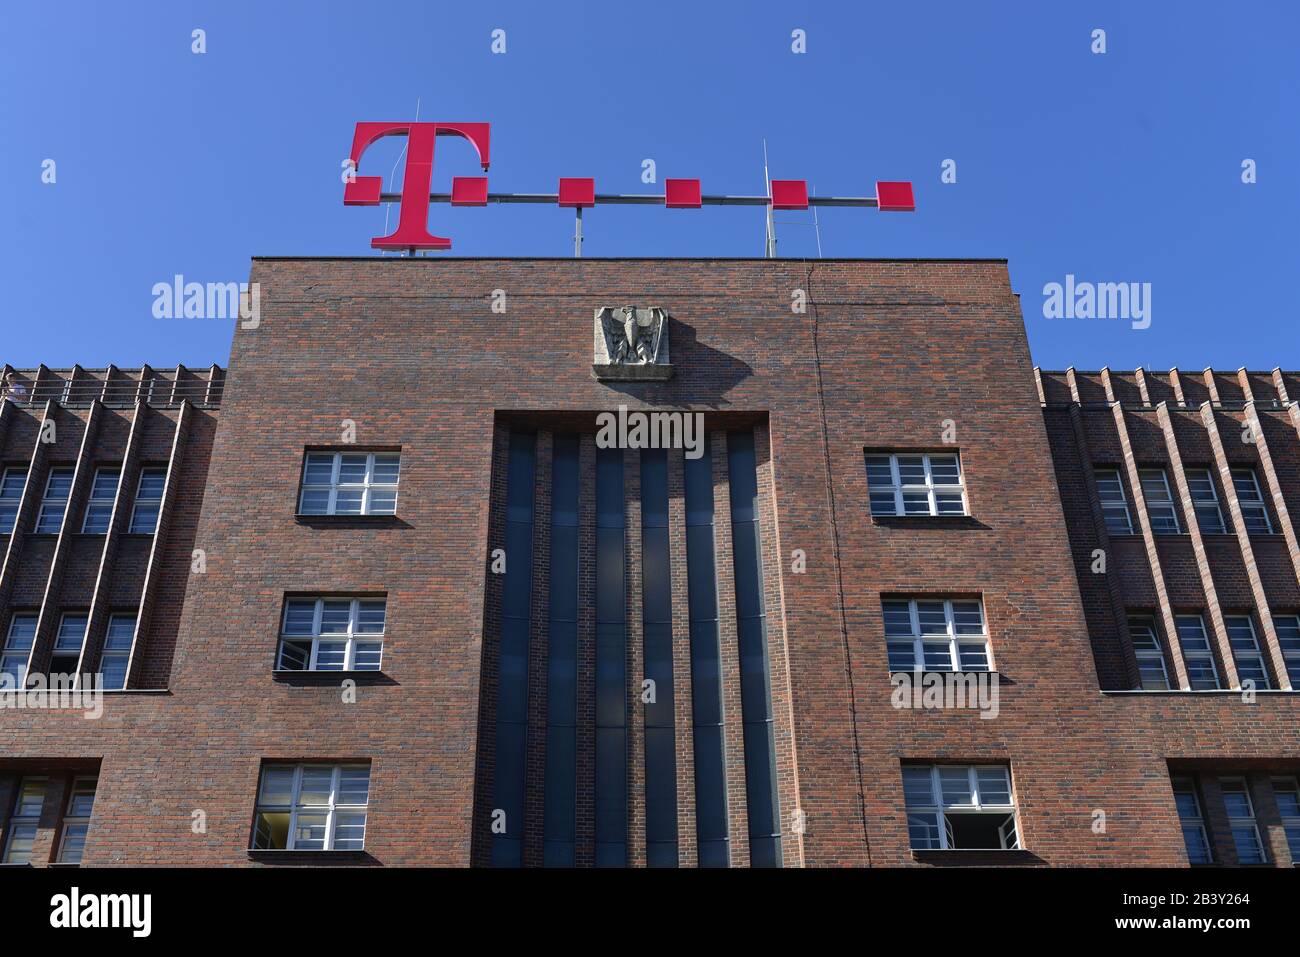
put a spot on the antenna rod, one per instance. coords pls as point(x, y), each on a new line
point(770, 251)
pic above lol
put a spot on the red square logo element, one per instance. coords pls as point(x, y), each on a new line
point(682, 193)
point(577, 192)
point(469, 191)
point(789, 194)
point(895, 197)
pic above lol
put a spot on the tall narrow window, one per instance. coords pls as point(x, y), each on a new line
point(103, 490)
point(1193, 821)
point(512, 682)
point(1150, 655)
point(559, 820)
point(117, 651)
point(1161, 509)
point(1114, 506)
point(1197, 656)
point(67, 644)
point(17, 649)
point(936, 634)
point(76, 820)
point(11, 496)
point(657, 621)
point(706, 668)
point(20, 835)
point(1287, 794)
point(917, 484)
point(1245, 649)
point(55, 502)
point(762, 799)
point(1254, 513)
point(332, 634)
point(312, 807)
point(611, 662)
point(1241, 821)
point(1205, 500)
point(1288, 636)
point(148, 501)
point(349, 483)
point(959, 807)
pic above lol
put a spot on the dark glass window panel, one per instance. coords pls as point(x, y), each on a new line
point(512, 694)
point(561, 795)
point(564, 573)
point(611, 785)
point(656, 578)
point(558, 854)
point(714, 854)
point(564, 481)
point(519, 477)
point(611, 854)
point(560, 783)
point(699, 488)
point(701, 577)
point(654, 488)
point(610, 601)
point(609, 488)
point(611, 663)
point(706, 677)
point(743, 476)
point(710, 784)
point(659, 669)
point(749, 587)
point(562, 674)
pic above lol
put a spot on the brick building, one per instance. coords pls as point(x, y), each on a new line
point(402, 607)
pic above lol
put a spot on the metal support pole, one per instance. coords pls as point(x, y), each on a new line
point(577, 232)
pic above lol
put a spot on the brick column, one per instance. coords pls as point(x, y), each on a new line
point(1269, 820)
point(1274, 486)
point(636, 852)
point(585, 825)
point(683, 718)
point(538, 658)
point(1216, 821)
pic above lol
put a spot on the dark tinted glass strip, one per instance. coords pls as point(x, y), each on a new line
point(755, 671)
point(559, 817)
point(657, 619)
point(512, 687)
point(611, 662)
point(706, 670)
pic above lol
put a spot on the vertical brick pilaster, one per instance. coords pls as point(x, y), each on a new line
point(1269, 820)
point(683, 713)
point(585, 825)
point(1216, 821)
point(636, 850)
point(538, 644)
point(1274, 485)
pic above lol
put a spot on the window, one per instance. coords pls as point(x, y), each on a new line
point(332, 634)
point(349, 483)
point(1205, 501)
point(1198, 657)
point(67, 644)
point(1193, 822)
point(1288, 636)
point(924, 484)
point(57, 486)
point(1150, 655)
point(17, 649)
point(1114, 507)
point(959, 807)
point(1160, 502)
point(936, 635)
point(312, 807)
point(1245, 649)
point(103, 490)
point(1241, 821)
point(1287, 794)
point(117, 651)
point(76, 820)
point(1254, 513)
point(11, 494)
point(20, 836)
point(148, 501)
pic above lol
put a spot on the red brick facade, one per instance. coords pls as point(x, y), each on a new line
point(887, 355)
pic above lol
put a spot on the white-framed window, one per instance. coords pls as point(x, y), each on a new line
point(1149, 652)
point(936, 634)
point(1241, 821)
point(928, 483)
point(959, 807)
point(58, 485)
point(312, 807)
point(1161, 509)
point(1197, 655)
point(67, 643)
point(1114, 506)
point(332, 634)
point(116, 656)
point(20, 834)
point(1245, 650)
point(99, 510)
point(349, 483)
point(1205, 501)
point(1195, 837)
point(11, 496)
point(1286, 792)
point(76, 819)
point(1254, 513)
point(1288, 636)
point(17, 649)
point(148, 501)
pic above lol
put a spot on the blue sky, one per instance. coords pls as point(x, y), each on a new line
point(1121, 167)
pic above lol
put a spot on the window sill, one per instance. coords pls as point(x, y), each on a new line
point(1234, 692)
point(293, 676)
point(955, 855)
point(923, 521)
point(356, 521)
point(271, 856)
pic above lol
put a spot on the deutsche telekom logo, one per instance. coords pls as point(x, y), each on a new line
point(577, 193)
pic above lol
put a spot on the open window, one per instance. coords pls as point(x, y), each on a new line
point(960, 807)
